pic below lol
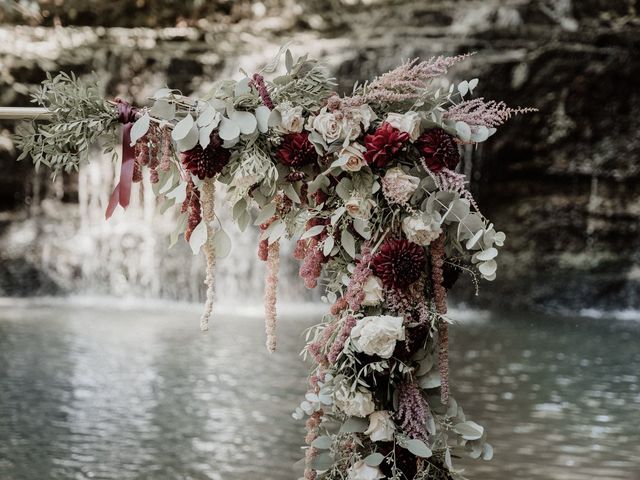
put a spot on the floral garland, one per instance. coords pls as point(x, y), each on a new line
point(367, 184)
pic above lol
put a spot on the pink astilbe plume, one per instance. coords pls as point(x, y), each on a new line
point(477, 112)
point(343, 335)
point(440, 299)
point(311, 266)
point(413, 411)
point(405, 82)
point(355, 291)
point(270, 294)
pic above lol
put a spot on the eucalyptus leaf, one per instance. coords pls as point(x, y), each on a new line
point(183, 128)
point(246, 121)
point(354, 425)
point(140, 128)
point(469, 430)
point(374, 459)
point(163, 109)
point(228, 130)
point(312, 232)
point(198, 237)
point(348, 243)
point(221, 243)
point(418, 448)
point(322, 443)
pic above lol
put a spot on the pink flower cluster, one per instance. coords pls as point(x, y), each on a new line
point(343, 335)
point(477, 112)
point(311, 266)
point(413, 411)
point(355, 291)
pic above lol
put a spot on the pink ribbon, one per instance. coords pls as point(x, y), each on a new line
point(122, 193)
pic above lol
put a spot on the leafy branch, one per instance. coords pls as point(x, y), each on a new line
point(80, 117)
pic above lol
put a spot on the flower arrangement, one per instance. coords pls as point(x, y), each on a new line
point(367, 186)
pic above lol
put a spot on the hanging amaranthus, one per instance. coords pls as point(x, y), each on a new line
point(440, 297)
point(270, 294)
point(207, 199)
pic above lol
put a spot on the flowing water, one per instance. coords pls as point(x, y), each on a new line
point(90, 392)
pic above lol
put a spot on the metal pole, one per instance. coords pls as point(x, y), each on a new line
point(24, 113)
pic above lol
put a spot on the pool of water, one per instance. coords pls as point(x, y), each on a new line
point(139, 393)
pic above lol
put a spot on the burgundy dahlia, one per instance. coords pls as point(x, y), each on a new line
point(206, 162)
point(296, 150)
point(399, 263)
point(438, 149)
point(383, 144)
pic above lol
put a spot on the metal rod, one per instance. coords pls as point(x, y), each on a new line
point(24, 113)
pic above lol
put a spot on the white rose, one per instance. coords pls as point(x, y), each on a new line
point(409, 122)
point(354, 404)
point(381, 427)
point(422, 228)
point(359, 207)
point(355, 157)
point(366, 116)
point(398, 186)
point(292, 118)
point(326, 124)
point(362, 471)
point(372, 291)
point(378, 335)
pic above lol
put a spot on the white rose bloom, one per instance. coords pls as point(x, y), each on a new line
point(326, 124)
point(355, 157)
point(359, 207)
point(372, 291)
point(378, 335)
point(399, 186)
point(366, 116)
point(292, 118)
point(354, 404)
point(362, 471)
point(409, 122)
point(381, 427)
point(422, 228)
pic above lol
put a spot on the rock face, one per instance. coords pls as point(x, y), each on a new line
point(562, 183)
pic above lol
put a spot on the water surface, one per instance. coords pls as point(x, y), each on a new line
point(115, 393)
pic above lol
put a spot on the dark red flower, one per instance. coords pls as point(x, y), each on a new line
point(296, 150)
point(206, 162)
point(438, 149)
point(383, 144)
point(399, 263)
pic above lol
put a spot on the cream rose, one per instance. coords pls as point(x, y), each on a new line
point(355, 157)
point(327, 125)
point(422, 228)
point(398, 186)
point(292, 118)
point(409, 122)
point(378, 335)
point(381, 427)
point(373, 292)
point(362, 471)
point(359, 207)
point(354, 404)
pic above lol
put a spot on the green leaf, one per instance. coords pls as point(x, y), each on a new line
point(418, 448)
point(324, 461)
point(322, 443)
point(198, 237)
point(354, 425)
point(374, 459)
point(469, 430)
point(246, 121)
point(348, 243)
point(163, 109)
point(221, 243)
point(266, 213)
point(228, 130)
point(182, 128)
point(312, 232)
point(140, 128)
point(327, 246)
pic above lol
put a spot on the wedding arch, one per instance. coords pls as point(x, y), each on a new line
point(367, 186)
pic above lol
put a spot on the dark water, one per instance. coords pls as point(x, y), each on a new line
point(120, 394)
